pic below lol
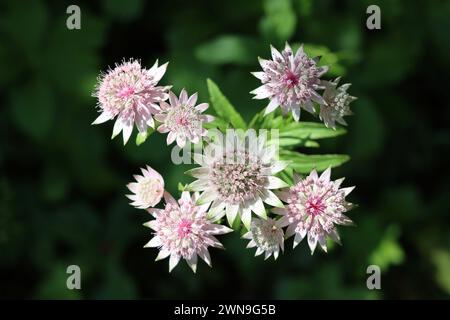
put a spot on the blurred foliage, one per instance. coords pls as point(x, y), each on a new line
point(62, 181)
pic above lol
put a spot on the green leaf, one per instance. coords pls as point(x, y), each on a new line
point(327, 58)
point(33, 109)
point(310, 130)
point(229, 49)
point(441, 260)
point(218, 123)
point(142, 136)
point(389, 252)
point(116, 9)
point(223, 107)
point(279, 21)
point(304, 163)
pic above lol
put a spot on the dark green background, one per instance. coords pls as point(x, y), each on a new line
point(62, 181)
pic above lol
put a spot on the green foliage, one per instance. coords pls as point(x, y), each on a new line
point(62, 181)
point(279, 21)
point(229, 49)
point(304, 163)
point(223, 107)
point(388, 252)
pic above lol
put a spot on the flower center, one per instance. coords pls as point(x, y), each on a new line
point(184, 228)
point(265, 234)
point(315, 206)
point(125, 92)
point(149, 189)
point(290, 79)
point(182, 121)
point(239, 180)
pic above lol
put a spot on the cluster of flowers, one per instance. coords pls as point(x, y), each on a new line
point(238, 183)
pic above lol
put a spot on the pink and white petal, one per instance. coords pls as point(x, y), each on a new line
point(159, 72)
point(325, 176)
point(154, 242)
point(169, 199)
point(163, 253)
point(173, 261)
point(276, 55)
point(164, 106)
point(314, 175)
point(348, 190)
point(275, 183)
point(273, 104)
point(296, 111)
point(260, 75)
point(246, 217)
point(312, 242)
point(258, 208)
point(231, 213)
point(207, 118)
point(192, 100)
point(206, 196)
point(204, 254)
point(163, 129)
point(279, 166)
point(118, 126)
point(192, 262)
point(183, 97)
point(271, 199)
point(261, 92)
point(152, 224)
point(127, 130)
point(181, 141)
point(171, 137)
point(103, 117)
point(202, 107)
point(217, 229)
point(279, 211)
point(173, 100)
point(161, 117)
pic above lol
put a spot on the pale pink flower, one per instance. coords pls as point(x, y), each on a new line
point(147, 190)
point(314, 206)
point(290, 81)
point(337, 103)
point(183, 231)
point(182, 119)
point(267, 236)
point(238, 180)
point(130, 92)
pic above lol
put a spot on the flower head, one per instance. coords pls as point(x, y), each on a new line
point(238, 178)
point(290, 81)
point(183, 119)
point(130, 92)
point(147, 190)
point(267, 236)
point(337, 103)
point(183, 231)
point(314, 206)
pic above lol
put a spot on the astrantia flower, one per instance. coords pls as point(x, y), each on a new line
point(183, 119)
point(314, 206)
point(337, 103)
point(290, 81)
point(267, 236)
point(183, 231)
point(130, 92)
point(148, 190)
point(238, 179)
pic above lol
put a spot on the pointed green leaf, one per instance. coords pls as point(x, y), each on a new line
point(304, 163)
point(223, 107)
